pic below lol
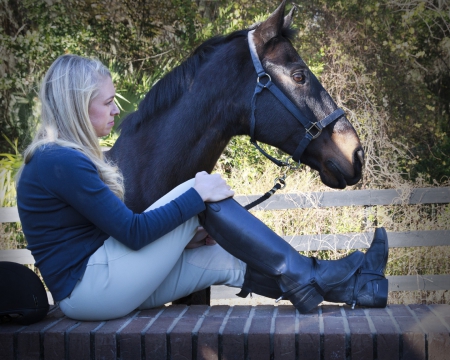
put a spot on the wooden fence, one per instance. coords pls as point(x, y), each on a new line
point(365, 198)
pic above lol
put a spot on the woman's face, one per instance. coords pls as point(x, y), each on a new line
point(103, 108)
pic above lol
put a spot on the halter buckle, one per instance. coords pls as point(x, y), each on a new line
point(263, 76)
point(315, 127)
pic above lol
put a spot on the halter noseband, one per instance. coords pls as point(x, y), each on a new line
point(313, 129)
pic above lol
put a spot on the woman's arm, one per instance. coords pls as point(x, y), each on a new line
point(72, 177)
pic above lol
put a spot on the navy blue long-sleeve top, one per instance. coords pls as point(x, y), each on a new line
point(67, 212)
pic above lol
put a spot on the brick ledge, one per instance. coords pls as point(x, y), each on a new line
point(239, 332)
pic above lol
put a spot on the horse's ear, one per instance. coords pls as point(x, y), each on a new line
point(272, 26)
point(288, 18)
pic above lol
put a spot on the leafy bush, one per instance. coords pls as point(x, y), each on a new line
point(9, 165)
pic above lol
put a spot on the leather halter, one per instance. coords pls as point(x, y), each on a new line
point(313, 129)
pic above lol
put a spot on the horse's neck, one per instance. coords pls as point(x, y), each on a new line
point(199, 133)
point(186, 139)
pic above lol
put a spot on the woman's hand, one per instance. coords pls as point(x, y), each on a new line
point(200, 238)
point(212, 188)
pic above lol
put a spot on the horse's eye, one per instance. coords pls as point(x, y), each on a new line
point(298, 78)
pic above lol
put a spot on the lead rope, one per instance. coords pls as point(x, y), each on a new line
point(279, 183)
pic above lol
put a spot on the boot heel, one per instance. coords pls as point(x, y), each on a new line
point(307, 302)
point(380, 293)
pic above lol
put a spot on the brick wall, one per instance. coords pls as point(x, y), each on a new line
point(240, 332)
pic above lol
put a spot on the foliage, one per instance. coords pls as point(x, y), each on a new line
point(11, 235)
point(9, 165)
point(385, 62)
point(397, 54)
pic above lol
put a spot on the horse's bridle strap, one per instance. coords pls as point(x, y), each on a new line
point(336, 114)
point(313, 129)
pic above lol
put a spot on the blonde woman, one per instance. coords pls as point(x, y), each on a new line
point(99, 260)
point(102, 261)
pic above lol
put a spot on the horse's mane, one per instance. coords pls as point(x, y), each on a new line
point(171, 87)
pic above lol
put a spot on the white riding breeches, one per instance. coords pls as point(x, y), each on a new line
point(119, 280)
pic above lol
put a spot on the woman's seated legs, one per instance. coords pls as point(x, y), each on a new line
point(198, 269)
point(117, 279)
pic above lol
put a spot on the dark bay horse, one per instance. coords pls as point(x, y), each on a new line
point(185, 122)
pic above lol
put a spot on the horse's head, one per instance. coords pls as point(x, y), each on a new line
point(336, 153)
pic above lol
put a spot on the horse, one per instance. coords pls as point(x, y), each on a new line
point(186, 120)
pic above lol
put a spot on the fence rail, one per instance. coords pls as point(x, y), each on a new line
point(329, 241)
point(351, 198)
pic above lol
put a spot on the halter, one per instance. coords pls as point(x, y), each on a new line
point(313, 129)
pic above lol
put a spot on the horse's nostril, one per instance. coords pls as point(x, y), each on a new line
point(360, 156)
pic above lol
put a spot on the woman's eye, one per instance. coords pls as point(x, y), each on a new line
point(298, 77)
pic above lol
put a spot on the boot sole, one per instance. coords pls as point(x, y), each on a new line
point(380, 236)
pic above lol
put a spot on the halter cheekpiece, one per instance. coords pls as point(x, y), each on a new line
point(313, 129)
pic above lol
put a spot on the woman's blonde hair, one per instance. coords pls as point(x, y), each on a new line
point(67, 90)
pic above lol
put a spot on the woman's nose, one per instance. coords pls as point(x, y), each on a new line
point(115, 110)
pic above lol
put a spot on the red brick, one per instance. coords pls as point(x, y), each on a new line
point(357, 311)
point(361, 338)
point(438, 345)
point(240, 312)
point(7, 333)
point(79, 340)
point(28, 340)
point(419, 325)
point(284, 336)
point(437, 334)
point(413, 338)
point(286, 311)
point(233, 339)
point(309, 337)
point(388, 338)
point(181, 342)
point(155, 337)
point(441, 309)
point(208, 334)
point(259, 333)
point(330, 310)
point(105, 338)
point(54, 339)
point(196, 311)
point(130, 338)
point(443, 312)
point(263, 311)
point(218, 311)
point(419, 310)
point(334, 343)
point(399, 310)
point(374, 312)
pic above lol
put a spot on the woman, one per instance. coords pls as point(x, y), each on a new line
point(101, 261)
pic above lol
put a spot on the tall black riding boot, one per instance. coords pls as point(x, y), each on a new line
point(368, 286)
point(302, 280)
point(258, 283)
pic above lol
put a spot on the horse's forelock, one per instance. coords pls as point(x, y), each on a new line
point(289, 33)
